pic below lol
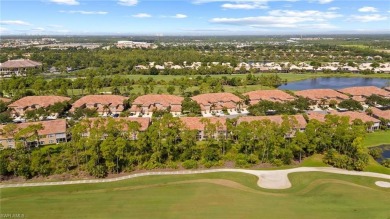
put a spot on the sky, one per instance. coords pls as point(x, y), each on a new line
point(193, 17)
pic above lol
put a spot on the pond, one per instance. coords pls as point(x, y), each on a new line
point(334, 83)
point(385, 152)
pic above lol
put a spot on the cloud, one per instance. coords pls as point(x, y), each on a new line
point(128, 2)
point(3, 29)
point(333, 8)
point(38, 29)
point(180, 16)
point(244, 6)
point(308, 14)
point(368, 18)
point(86, 12)
point(281, 19)
point(206, 29)
point(15, 22)
point(65, 2)
point(54, 26)
point(323, 1)
point(241, 1)
point(142, 15)
point(368, 9)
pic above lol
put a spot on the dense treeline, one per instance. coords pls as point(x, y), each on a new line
point(101, 146)
point(18, 87)
point(122, 61)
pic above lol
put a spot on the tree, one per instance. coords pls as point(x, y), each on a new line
point(190, 107)
point(153, 71)
point(351, 104)
point(299, 144)
point(171, 89)
point(108, 149)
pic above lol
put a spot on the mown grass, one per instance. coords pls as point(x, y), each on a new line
point(377, 138)
point(313, 195)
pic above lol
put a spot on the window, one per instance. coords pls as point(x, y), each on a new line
point(51, 142)
point(10, 140)
point(51, 136)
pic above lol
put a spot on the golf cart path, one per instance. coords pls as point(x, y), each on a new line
point(268, 179)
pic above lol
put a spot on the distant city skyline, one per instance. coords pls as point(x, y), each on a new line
point(193, 17)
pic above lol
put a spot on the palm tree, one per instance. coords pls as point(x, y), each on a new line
point(106, 109)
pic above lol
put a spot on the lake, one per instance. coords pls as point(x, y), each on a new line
point(334, 83)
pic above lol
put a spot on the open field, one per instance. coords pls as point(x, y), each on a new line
point(163, 89)
point(213, 195)
point(377, 138)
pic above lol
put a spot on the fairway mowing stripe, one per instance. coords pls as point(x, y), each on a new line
point(269, 179)
point(318, 182)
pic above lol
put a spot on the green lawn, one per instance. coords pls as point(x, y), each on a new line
point(377, 138)
point(214, 195)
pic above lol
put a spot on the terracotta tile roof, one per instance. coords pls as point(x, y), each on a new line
point(42, 101)
point(317, 116)
point(5, 100)
point(195, 123)
point(318, 94)
point(356, 115)
point(20, 63)
point(385, 114)
point(365, 91)
point(358, 98)
point(110, 100)
point(220, 100)
point(144, 122)
point(163, 99)
point(270, 95)
point(208, 99)
point(276, 119)
point(49, 127)
point(176, 108)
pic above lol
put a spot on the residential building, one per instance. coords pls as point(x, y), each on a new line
point(104, 104)
point(352, 116)
point(5, 100)
point(19, 107)
point(361, 93)
point(17, 67)
point(322, 96)
point(215, 103)
point(270, 95)
point(144, 123)
point(300, 124)
point(381, 114)
point(199, 124)
point(145, 105)
point(132, 44)
point(53, 132)
point(278, 119)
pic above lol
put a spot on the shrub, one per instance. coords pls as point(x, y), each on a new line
point(190, 164)
point(253, 159)
point(277, 162)
point(241, 161)
point(386, 162)
point(172, 165)
point(375, 152)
